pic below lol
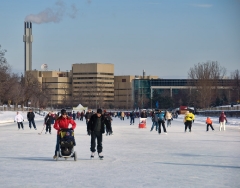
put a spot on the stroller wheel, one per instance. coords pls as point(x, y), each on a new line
point(75, 156)
point(57, 156)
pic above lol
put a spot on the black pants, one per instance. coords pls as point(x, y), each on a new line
point(161, 122)
point(188, 124)
point(210, 126)
point(98, 136)
point(48, 127)
point(20, 123)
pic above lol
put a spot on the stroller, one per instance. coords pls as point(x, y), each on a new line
point(66, 144)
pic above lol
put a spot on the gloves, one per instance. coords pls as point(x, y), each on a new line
point(89, 132)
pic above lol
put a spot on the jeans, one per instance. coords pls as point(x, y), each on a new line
point(98, 136)
point(154, 124)
point(131, 120)
point(57, 144)
point(32, 122)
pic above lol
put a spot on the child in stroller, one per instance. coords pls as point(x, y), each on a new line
point(67, 143)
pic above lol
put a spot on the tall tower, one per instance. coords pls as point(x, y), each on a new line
point(28, 39)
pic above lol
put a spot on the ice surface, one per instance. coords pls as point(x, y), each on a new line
point(133, 157)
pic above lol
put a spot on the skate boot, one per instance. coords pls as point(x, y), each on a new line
point(100, 155)
point(92, 155)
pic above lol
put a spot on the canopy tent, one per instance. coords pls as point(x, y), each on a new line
point(80, 108)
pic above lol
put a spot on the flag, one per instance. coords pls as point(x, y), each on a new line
point(157, 104)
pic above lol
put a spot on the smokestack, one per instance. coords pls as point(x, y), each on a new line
point(27, 39)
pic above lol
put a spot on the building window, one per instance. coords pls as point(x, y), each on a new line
point(123, 80)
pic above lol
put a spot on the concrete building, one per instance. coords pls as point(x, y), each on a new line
point(57, 84)
point(124, 97)
point(93, 84)
point(27, 39)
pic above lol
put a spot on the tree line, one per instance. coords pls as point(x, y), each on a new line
point(19, 89)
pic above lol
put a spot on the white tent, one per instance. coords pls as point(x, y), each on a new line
point(80, 108)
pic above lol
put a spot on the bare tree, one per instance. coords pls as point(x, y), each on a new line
point(205, 75)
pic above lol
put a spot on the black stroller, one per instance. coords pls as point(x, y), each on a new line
point(66, 144)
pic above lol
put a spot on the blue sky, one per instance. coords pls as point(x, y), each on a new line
point(163, 37)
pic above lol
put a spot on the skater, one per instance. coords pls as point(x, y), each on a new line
point(222, 121)
point(95, 128)
point(155, 121)
point(209, 123)
point(48, 121)
point(132, 117)
point(74, 116)
point(143, 114)
point(88, 115)
point(19, 119)
point(108, 117)
point(30, 117)
point(188, 119)
point(122, 115)
point(168, 118)
point(62, 123)
point(161, 121)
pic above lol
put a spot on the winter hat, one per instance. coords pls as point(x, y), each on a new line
point(63, 111)
point(99, 111)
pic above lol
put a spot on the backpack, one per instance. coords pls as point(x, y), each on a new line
point(161, 116)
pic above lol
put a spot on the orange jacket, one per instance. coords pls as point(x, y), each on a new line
point(209, 121)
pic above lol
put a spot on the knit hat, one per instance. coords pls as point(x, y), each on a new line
point(63, 111)
point(99, 111)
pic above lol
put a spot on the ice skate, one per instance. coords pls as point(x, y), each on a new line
point(100, 156)
point(92, 155)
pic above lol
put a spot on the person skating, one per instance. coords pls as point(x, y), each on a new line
point(222, 121)
point(19, 119)
point(168, 118)
point(189, 118)
point(108, 117)
point(143, 114)
point(161, 121)
point(95, 128)
point(155, 121)
point(30, 117)
point(209, 123)
point(48, 120)
point(62, 122)
point(88, 115)
point(132, 117)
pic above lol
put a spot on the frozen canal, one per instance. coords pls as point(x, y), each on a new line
point(132, 158)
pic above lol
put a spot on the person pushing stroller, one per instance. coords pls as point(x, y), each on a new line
point(62, 123)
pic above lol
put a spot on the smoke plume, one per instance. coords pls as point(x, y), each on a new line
point(52, 14)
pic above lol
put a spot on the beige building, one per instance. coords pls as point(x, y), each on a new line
point(93, 85)
point(57, 85)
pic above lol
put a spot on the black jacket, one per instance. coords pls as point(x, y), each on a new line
point(88, 115)
point(93, 121)
point(30, 116)
point(48, 119)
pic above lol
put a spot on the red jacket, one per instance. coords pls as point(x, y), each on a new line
point(63, 123)
point(222, 118)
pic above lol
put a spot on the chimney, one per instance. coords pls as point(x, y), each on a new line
point(27, 39)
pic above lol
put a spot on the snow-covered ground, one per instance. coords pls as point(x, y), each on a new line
point(133, 157)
